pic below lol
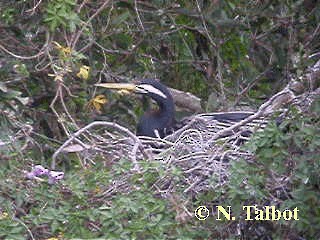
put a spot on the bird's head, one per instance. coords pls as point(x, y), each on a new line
point(150, 87)
point(160, 120)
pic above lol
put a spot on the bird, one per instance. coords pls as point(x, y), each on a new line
point(155, 122)
point(161, 122)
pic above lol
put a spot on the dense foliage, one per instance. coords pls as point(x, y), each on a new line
point(232, 54)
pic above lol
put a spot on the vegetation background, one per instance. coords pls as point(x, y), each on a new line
point(231, 54)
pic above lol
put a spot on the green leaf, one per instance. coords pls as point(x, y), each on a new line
point(121, 18)
point(3, 87)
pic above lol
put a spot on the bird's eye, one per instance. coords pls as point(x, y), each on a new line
point(140, 89)
point(151, 89)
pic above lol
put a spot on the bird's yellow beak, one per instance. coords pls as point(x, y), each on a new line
point(122, 86)
point(117, 86)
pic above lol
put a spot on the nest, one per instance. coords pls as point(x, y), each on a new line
point(202, 150)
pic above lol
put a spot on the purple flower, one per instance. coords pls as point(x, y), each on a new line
point(30, 175)
point(38, 170)
point(55, 176)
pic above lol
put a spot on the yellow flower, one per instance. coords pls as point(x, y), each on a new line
point(64, 50)
point(84, 72)
point(98, 101)
point(3, 215)
point(57, 77)
point(97, 190)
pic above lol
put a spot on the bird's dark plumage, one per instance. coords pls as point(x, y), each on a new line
point(161, 120)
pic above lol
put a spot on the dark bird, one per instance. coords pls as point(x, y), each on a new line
point(161, 122)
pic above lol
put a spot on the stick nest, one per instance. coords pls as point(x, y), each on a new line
point(200, 152)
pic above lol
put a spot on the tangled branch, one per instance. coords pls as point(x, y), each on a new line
point(203, 149)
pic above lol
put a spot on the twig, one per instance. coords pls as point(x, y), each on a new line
point(57, 95)
point(41, 52)
point(250, 85)
point(220, 79)
point(94, 124)
point(283, 97)
point(77, 36)
point(23, 224)
point(205, 25)
point(138, 15)
point(32, 10)
point(82, 5)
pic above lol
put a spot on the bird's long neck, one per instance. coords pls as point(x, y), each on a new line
point(166, 108)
